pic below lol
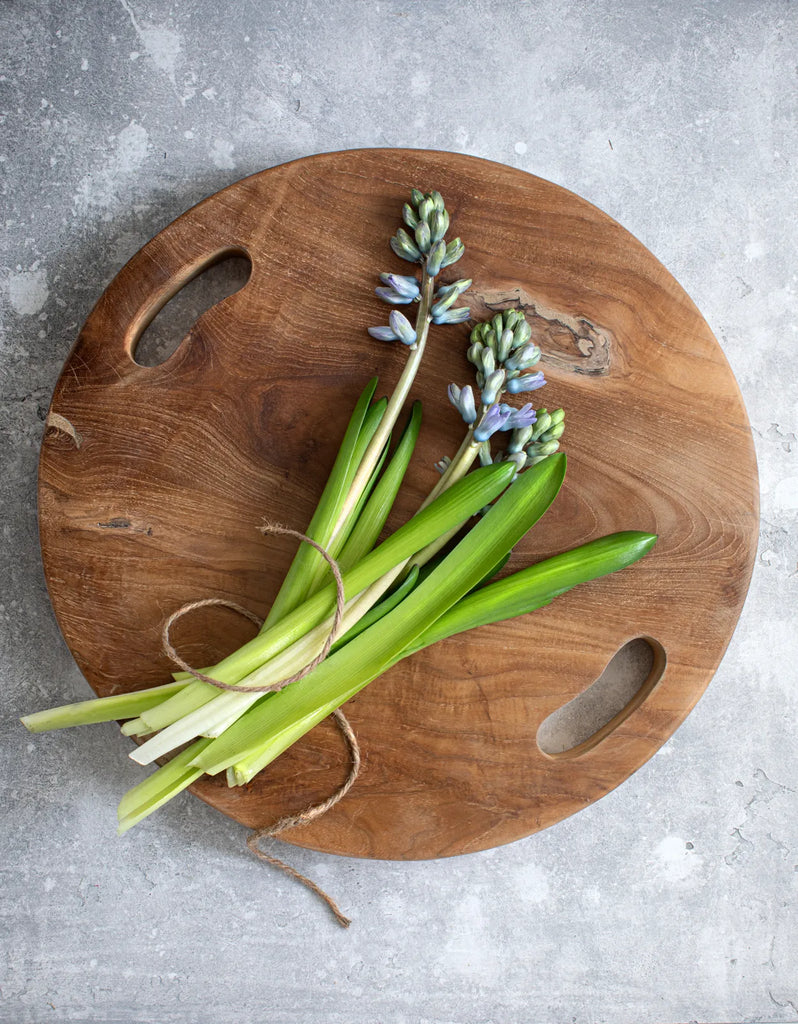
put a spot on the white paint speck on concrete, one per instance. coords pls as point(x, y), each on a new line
point(27, 291)
point(161, 44)
point(222, 154)
point(785, 495)
point(102, 187)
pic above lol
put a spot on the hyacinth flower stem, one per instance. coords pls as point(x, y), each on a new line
point(465, 457)
point(395, 404)
point(457, 468)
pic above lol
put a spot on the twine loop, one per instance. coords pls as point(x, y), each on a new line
point(340, 600)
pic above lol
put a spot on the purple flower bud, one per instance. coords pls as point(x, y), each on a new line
point(493, 420)
point(425, 208)
point(423, 236)
point(474, 354)
point(523, 417)
point(438, 226)
point(529, 382)
point(443, 304)
point(407, 286)
point(402, 328)
point(447, 294)
point(391, 297)
point(467, 408)
point(383, 333)
point(404, 246)
point(453, 316)
point(409, 216)
point(463, 400)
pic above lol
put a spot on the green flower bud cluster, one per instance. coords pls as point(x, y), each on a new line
point(502, 352)
point(428, 220)
point(531, 445)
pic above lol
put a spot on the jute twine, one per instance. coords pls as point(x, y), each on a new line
point(275, 529)
point(314, 811)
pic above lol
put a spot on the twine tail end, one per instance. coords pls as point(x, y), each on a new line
point(252, 843)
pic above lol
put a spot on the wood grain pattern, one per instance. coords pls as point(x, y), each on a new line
point(156, 497)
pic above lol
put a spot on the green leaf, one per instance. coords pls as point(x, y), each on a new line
point(380, 609)
point(372, 519)
point(523, 592)
point(532, 588)
point(354, 443)
point(451, 509)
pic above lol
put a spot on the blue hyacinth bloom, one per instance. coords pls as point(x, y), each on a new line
point(383, 334)
point(391, 297)
point(435, 258)
point(467, 407)
point(529, 382)
point(453, 316)
point(463, 400)
point(518, 418)
point(402, 328)
point(494, 419)
point(405, 286)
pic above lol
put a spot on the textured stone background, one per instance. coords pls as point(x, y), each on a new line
point(674, 898)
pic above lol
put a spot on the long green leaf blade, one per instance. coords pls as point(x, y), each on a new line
point(532, 588)
point(292, 591)
point(379, 610)
point(523, 592)
point(452, 508)
point(334, 546)
point(372, 519)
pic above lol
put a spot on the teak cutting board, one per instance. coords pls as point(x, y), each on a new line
point(154, 481)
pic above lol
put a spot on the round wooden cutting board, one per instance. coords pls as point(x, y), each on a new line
point(154, 480)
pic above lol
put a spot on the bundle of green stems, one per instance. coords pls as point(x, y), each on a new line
point(430, 579)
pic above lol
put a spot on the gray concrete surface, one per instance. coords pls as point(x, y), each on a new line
point(673, 899)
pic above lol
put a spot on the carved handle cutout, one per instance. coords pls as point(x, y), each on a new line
point(587, 719)
point(172, 319)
